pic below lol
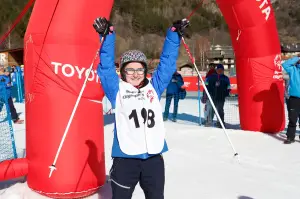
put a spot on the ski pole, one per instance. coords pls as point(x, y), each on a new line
point(198, 6)
point(53, 167)
point(209, 97)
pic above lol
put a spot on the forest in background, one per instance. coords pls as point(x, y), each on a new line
point(142, 24)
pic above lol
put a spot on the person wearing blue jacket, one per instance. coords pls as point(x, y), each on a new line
point(139, 133)
point(292, 67)
point(6, 81)
point(218, 86)
point(173, 91)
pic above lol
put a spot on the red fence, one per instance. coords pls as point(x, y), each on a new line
point(191, 84)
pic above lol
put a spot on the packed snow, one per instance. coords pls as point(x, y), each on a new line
point(200, 162)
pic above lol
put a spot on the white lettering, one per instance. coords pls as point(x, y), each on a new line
point(70, 67)
point(79, 71)
point(56, 65)
point(187, 84)
point(69, 70)
point(265, 10)
point(265, 2)
point(87, 73)
point(277, 77)
point(2, 58)
point(277, 72)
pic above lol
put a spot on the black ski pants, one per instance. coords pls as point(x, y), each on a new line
point(294, 111)
point(127, 172)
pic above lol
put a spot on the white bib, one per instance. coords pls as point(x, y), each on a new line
point(139, 122)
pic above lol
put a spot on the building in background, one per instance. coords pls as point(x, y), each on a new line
point(216, 54)
point(219, 54)
point(11, 57)
point(289, 50)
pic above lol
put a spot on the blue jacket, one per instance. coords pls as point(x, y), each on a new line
point(218, 87)
point(160, 78)
point(175, 84)
point(292, 67)
point(4, 79)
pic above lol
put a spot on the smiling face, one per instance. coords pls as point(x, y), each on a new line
point(134, 73)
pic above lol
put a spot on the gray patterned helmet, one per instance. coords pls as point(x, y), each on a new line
point(132, 56)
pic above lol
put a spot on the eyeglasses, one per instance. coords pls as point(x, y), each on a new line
point(131, 71)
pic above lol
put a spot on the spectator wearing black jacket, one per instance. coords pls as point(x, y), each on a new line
point(218, 86)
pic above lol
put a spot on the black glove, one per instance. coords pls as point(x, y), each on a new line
point(102, 26)
point(180, 25)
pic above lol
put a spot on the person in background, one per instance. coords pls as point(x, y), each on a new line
point(292, 67)
point(212, 70)
point(173, 90)
point(208, 110)
point(13, 67)
point(286, 79)
point(5, 79)
point(218, 86)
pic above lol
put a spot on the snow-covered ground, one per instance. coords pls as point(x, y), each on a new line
point(201, 163)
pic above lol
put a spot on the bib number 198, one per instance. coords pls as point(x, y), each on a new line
point(146, 115)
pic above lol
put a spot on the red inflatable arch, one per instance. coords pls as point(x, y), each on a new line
point(60, 44)
point(255, 40)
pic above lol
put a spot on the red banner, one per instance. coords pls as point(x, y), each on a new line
point(191, 84)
